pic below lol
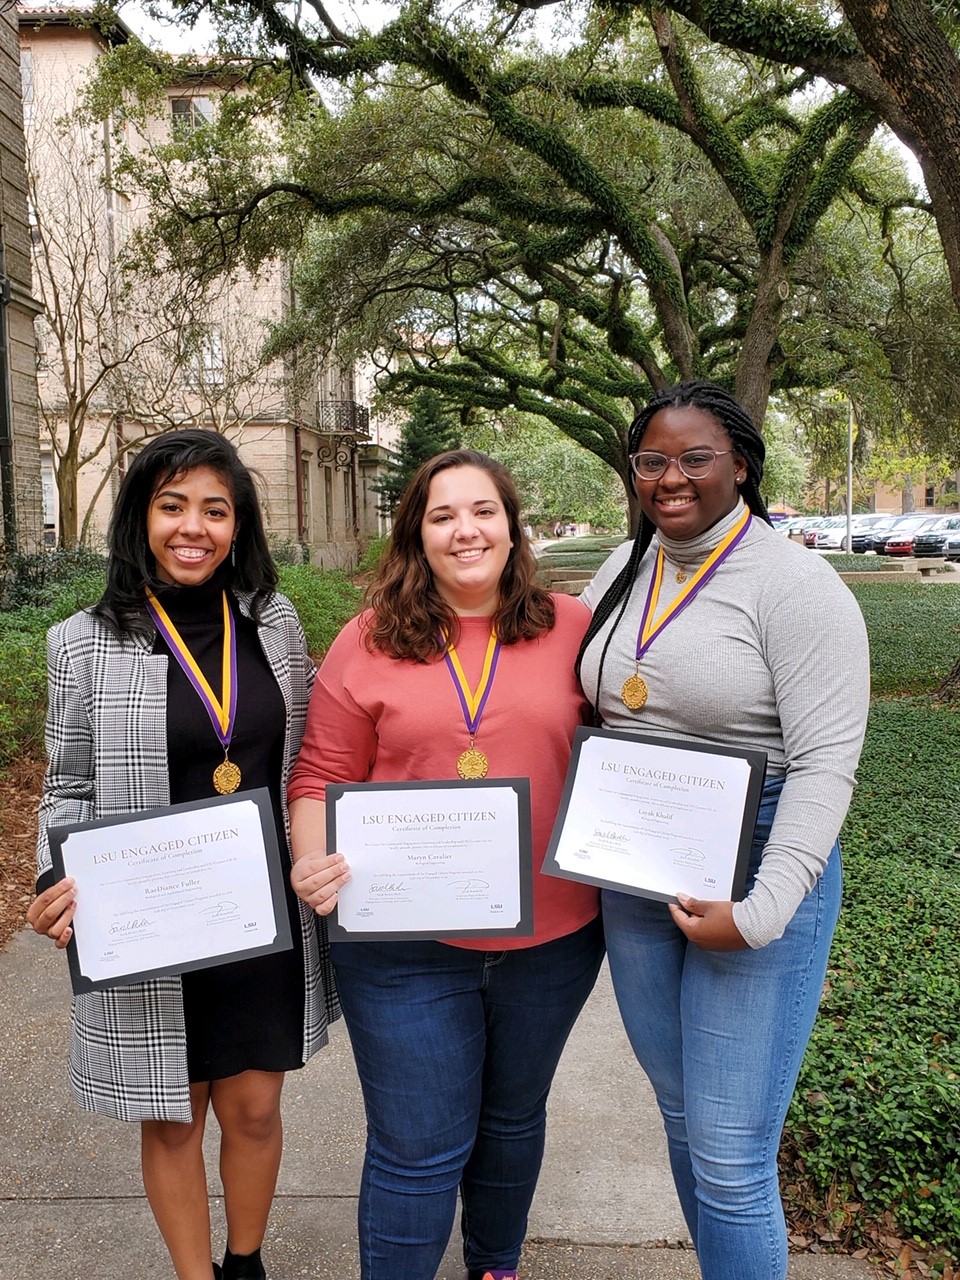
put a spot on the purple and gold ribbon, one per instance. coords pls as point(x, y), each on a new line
point(650, 624)
point(473, 701)
point(223, 710)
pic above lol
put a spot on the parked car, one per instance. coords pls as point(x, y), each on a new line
point(831, 533)
point(899, 541)
point(810, 528)
point(832, 536)
point(951, 548)
point(930, 542)
point(867, 526)
point(793, 525)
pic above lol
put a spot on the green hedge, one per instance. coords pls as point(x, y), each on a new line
point(324, 599)
point(875, 1121)
point(914, 633)
point(55, 585)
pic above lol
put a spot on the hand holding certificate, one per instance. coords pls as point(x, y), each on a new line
point(429, 859)
point(174, 889)
point(657, 816)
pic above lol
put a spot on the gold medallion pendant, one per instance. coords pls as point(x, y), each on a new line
point(681, 575)
point(226, 778)
point(472, 764)
point(634, 693)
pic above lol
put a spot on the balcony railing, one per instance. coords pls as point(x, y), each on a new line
point(343, 417)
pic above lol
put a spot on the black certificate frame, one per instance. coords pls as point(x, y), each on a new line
point(756, 760)
point(282, 940)
point(521, 788)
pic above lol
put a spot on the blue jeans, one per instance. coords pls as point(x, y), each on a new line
point(456, 1051)
point(722, 1036)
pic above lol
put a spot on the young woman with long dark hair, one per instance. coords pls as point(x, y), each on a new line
point(127, 730)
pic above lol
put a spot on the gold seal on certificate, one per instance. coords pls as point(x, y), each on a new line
point(472, 764)
point(634, 693)
point(226, 778)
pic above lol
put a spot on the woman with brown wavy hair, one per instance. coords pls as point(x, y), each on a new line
point(456, 1042)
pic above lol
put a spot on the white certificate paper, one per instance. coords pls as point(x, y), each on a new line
point(432, 859)
point(174, 889)
point(657, 816)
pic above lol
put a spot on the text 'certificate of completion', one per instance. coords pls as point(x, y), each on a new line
point(432, 859)
point(175, 889)
point(657, 816)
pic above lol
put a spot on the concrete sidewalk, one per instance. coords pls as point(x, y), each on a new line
point(72, 1204)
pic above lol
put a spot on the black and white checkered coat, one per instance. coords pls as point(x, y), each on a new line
point(107, 749)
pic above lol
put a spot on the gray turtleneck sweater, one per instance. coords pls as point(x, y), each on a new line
point(772, 653)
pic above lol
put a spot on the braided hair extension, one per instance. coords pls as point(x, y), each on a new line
point(746, 440)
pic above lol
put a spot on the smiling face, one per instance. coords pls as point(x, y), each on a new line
point(191, 524)
point(679, 507)
point(466, 539)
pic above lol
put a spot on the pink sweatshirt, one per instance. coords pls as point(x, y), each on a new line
point(378, 719)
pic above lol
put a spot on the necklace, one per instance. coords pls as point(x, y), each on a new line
point(472, 763)
point(223, 710)
point(635, 691)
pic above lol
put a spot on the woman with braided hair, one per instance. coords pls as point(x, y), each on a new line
point(719, 998)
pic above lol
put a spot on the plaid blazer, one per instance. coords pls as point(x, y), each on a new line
point(107, 749)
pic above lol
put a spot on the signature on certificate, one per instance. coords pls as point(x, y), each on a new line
point(136, 925)
point(468, 886)
point(687, 856)
point(220, 910)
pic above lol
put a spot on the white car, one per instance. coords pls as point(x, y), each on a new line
point(832, 534)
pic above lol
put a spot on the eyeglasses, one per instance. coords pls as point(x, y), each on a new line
point(695, 464)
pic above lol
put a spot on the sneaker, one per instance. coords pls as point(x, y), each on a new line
point(493, 1275)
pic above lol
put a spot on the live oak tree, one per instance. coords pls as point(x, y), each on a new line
point(555, 233)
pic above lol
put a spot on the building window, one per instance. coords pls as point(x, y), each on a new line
point(189, 114)
point(40, 342)
point(33, 224)
point(929, 496)
point(307, 529)
point(205, 368)
point(26, 84)
point(328, 501)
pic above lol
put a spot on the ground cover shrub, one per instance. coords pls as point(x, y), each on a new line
point(324, 598)
point(914, 632)
point(372, 553)
point(61, 580)
point(23, 690)
point(875, 1122)
point(847, 562)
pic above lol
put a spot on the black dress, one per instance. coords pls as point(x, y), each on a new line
point(246, 1015)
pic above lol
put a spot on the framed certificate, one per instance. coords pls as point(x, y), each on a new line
point(169, 890)
point(657, 816)
point(432, 859)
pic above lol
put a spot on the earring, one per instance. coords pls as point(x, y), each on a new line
point(233, 550)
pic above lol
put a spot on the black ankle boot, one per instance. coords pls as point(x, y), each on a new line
point(243, 1266)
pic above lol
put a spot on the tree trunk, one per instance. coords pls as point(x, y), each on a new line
point(910, 53)
point(907, 503)
point(67, 495)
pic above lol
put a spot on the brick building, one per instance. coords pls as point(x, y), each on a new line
point(19, 454)
point(173, 361)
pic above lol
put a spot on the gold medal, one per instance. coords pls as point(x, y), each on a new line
point(226, 778)
point(472, 764)
point(634, 693)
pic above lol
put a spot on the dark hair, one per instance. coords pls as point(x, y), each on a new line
point(408, 613)
point(745, 438)
point(131, 567)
